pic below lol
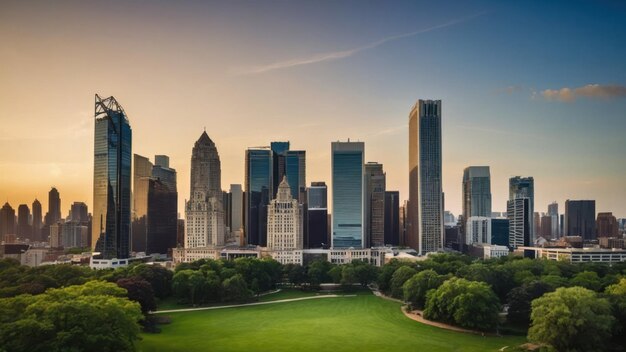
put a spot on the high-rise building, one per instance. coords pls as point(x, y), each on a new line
point(553, 212)
point(478, 230)
point(392, 218)
point(425, 207)
point(500, 232)
point(161, 170)
point(606, 225)
point(317, 216)
point(37, 220)
point(23, 227)
point(7, 221)
point(476, 192)
point(524, 187)
point(235, 220)
point(375, 186)
point(519, 215)
point(347, 172)
point(580, 219)
point(110, 230)
point(204, 212)
point(284, 220)
point(259, 183)
point(295, 170)
point(448, 218)
point(545, 229)
point(79, 212)
point(54, 207)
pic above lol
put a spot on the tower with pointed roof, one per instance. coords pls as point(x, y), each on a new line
point(284, 226)
point(204, 211)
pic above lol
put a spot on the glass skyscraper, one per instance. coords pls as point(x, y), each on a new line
point(259, 183)
point(111, 180)
point(348, 194)
point(524, 187)
point(295, 169)
point(425, 207)
point(317, 218)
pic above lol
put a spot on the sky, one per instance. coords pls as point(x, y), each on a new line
point(529, 88)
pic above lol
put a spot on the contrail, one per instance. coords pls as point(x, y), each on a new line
point(347, 53)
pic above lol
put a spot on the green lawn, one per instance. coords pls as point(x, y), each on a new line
point(361, 323)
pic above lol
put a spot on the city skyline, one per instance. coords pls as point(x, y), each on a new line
point(540, 106)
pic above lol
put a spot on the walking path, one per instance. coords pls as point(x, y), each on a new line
point(250, 304)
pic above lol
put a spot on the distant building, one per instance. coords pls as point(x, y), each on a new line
point(54, 207)
point(576, 255)
point(519, 216)
point(317, 218)
point(546, 227)
point(23, 227)
point(425, 207)
point(375, 186)
point(348, 194)
point(486, 251)
point(79, 212)
point(500, 232)
point(235, 219)
point(606, 225)
point(7, 221)
point(524, 187)
point(392, 218)
point(448, 218)
point(112, 181)
point(259, 184)
point(37, 221)
point(451, 237)
point(553, 212)
point(580, 219)
point(284, 226)
point(476, 192)
point(478, 230)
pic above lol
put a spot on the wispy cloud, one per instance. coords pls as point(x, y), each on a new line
point(510, 89)
point(337, 55)
point(590, 91)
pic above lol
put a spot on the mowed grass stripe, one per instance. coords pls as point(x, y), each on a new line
point(361, 323)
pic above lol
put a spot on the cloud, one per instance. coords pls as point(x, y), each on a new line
point(509, 90)
point(590, 91)
point(337, 55)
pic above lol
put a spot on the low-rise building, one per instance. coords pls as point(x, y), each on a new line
point(576, 255)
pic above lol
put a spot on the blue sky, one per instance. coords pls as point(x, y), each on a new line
point(315, 72)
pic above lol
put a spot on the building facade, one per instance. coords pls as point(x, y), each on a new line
point(7, 221)
point(54, 207)
point(519, 216)
point(259, 184)
point(478, 230)
point(317, 216)
point(284, 225)
point(580, 219)
point(37, 220)
point(476, 192)
point(524, 187)
point(204, 212)
point(392, 218)
point(375, 186)
point(112, 180)
point(606, 225)
point(348, 187)
point(23, 226)
point(425, 207)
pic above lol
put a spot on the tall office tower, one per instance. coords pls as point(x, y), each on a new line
point(519, 216)
point(235, 221)
point(536, 224)
point(142, 171)
point(500, 232)
point(606, 225)
point(161, 170)
point(524, 187)
point(284, 220)
point(580, 219)
point(425, 206)
point(403, 221)
point(79, 212)
point(7, 221)
point(23, 227)
point(347, 160)
point(545, 228)
point(553, 212)
point(476, 192)
point(448, 218)
point(258, 193)
point(392, 218)
point(37, 220)
point(478, 230)
point(278, 164)
point(110, 231)
point(295, 170)
point(317, 216)
point(54, 207)
point(375, 186)
point(204, 212)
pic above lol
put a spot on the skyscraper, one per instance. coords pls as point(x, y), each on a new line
point(518, 211)
point(259, 185)
point(606, 225)
point(392, 218)
point(7, 221)
point(37, 220)
point(235, 221)
point(204, 212)
point(111, 180)
point(79, 212)
point(580, 219)
point(295, 170)
point(54, 207)
point(425, 207)
point(23, 227)
point(553, 212)
point(317, 219)
point(347, 160)
point(142, 170)
point(375, 186)
point(478, 230)
point(476, 192)
point(284, 220)
point(524, 187)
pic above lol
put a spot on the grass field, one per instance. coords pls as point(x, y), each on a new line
point(361, 323)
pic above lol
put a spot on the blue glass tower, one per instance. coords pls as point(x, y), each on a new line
point(347, 184)
point(259, 182)
point(295, 169)
point(111, 180)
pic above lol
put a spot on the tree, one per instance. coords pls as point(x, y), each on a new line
point(416, 287)
point(519, 300)
point(236, 289)
point(159, 278)
point(140, 291)
point(318, 272)
point(180, 284)
point(587, 279)
point(212, 287)
point(91, 317)
point(399, 277)
point(469, 304)
point(616, 295)
point(571, 319)
point(336, 273)
point(365, 272)
point(296, 274)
